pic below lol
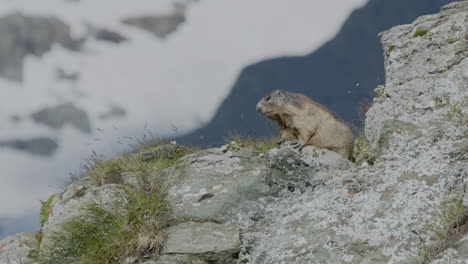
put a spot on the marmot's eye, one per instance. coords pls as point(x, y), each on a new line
point(268, 98)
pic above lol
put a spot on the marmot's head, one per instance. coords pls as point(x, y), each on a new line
point(272, 105)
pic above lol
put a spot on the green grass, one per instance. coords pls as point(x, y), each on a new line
point(260, 145)
point(420, 32)
point(45, 208)
point(454, 225)
point(91, 237)
point(362, 152)
point(455, 108)
point(109, 171)
point(452, 40)
point(98, 236)
point(456, 112)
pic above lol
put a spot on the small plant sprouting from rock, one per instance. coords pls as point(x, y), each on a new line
point(455, 110)
point(454, 227)
point(452, 40)
point(45, 209)
point(361, 151)
point(420, 32)
point(44, 213)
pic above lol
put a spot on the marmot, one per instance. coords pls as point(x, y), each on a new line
point(306, 122)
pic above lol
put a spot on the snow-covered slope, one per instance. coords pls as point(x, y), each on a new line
point(93, 92)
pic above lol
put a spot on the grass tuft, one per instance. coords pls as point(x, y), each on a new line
point(362, 152)
point(456, 112)
point(91, 237)
point(45, 209)
point(454, 227)
point(146, 161)
point(98, 236)
point(391, 47)
point(260, 145)
point(420, 32)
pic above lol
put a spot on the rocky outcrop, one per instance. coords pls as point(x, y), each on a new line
point(236, 204)
point(215, 186)
point(395, 210)
point(17, 248)
point(217, 243)
point(72, 202)
point(28, 35)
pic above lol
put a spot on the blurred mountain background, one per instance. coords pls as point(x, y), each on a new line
point(341, 74)
point(78, 77)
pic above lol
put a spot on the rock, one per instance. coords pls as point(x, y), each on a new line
point(424, 74)
point(388, 212)
point(302, 170)
point(131, 178)
point(71, 202)
point(28, 35)
point(40, 146)
point(218, 243)
point(63, 114)
point(457, 254)
point(216, 186)
point(392, 126)
point(16, 249)
point(176, 259)
point(160, 26)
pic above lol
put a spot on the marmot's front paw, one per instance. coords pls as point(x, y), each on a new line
point(298, 146)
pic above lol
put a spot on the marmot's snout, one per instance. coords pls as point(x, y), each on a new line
point(259, 108)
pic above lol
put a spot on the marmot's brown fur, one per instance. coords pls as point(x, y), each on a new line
point(306, 122)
